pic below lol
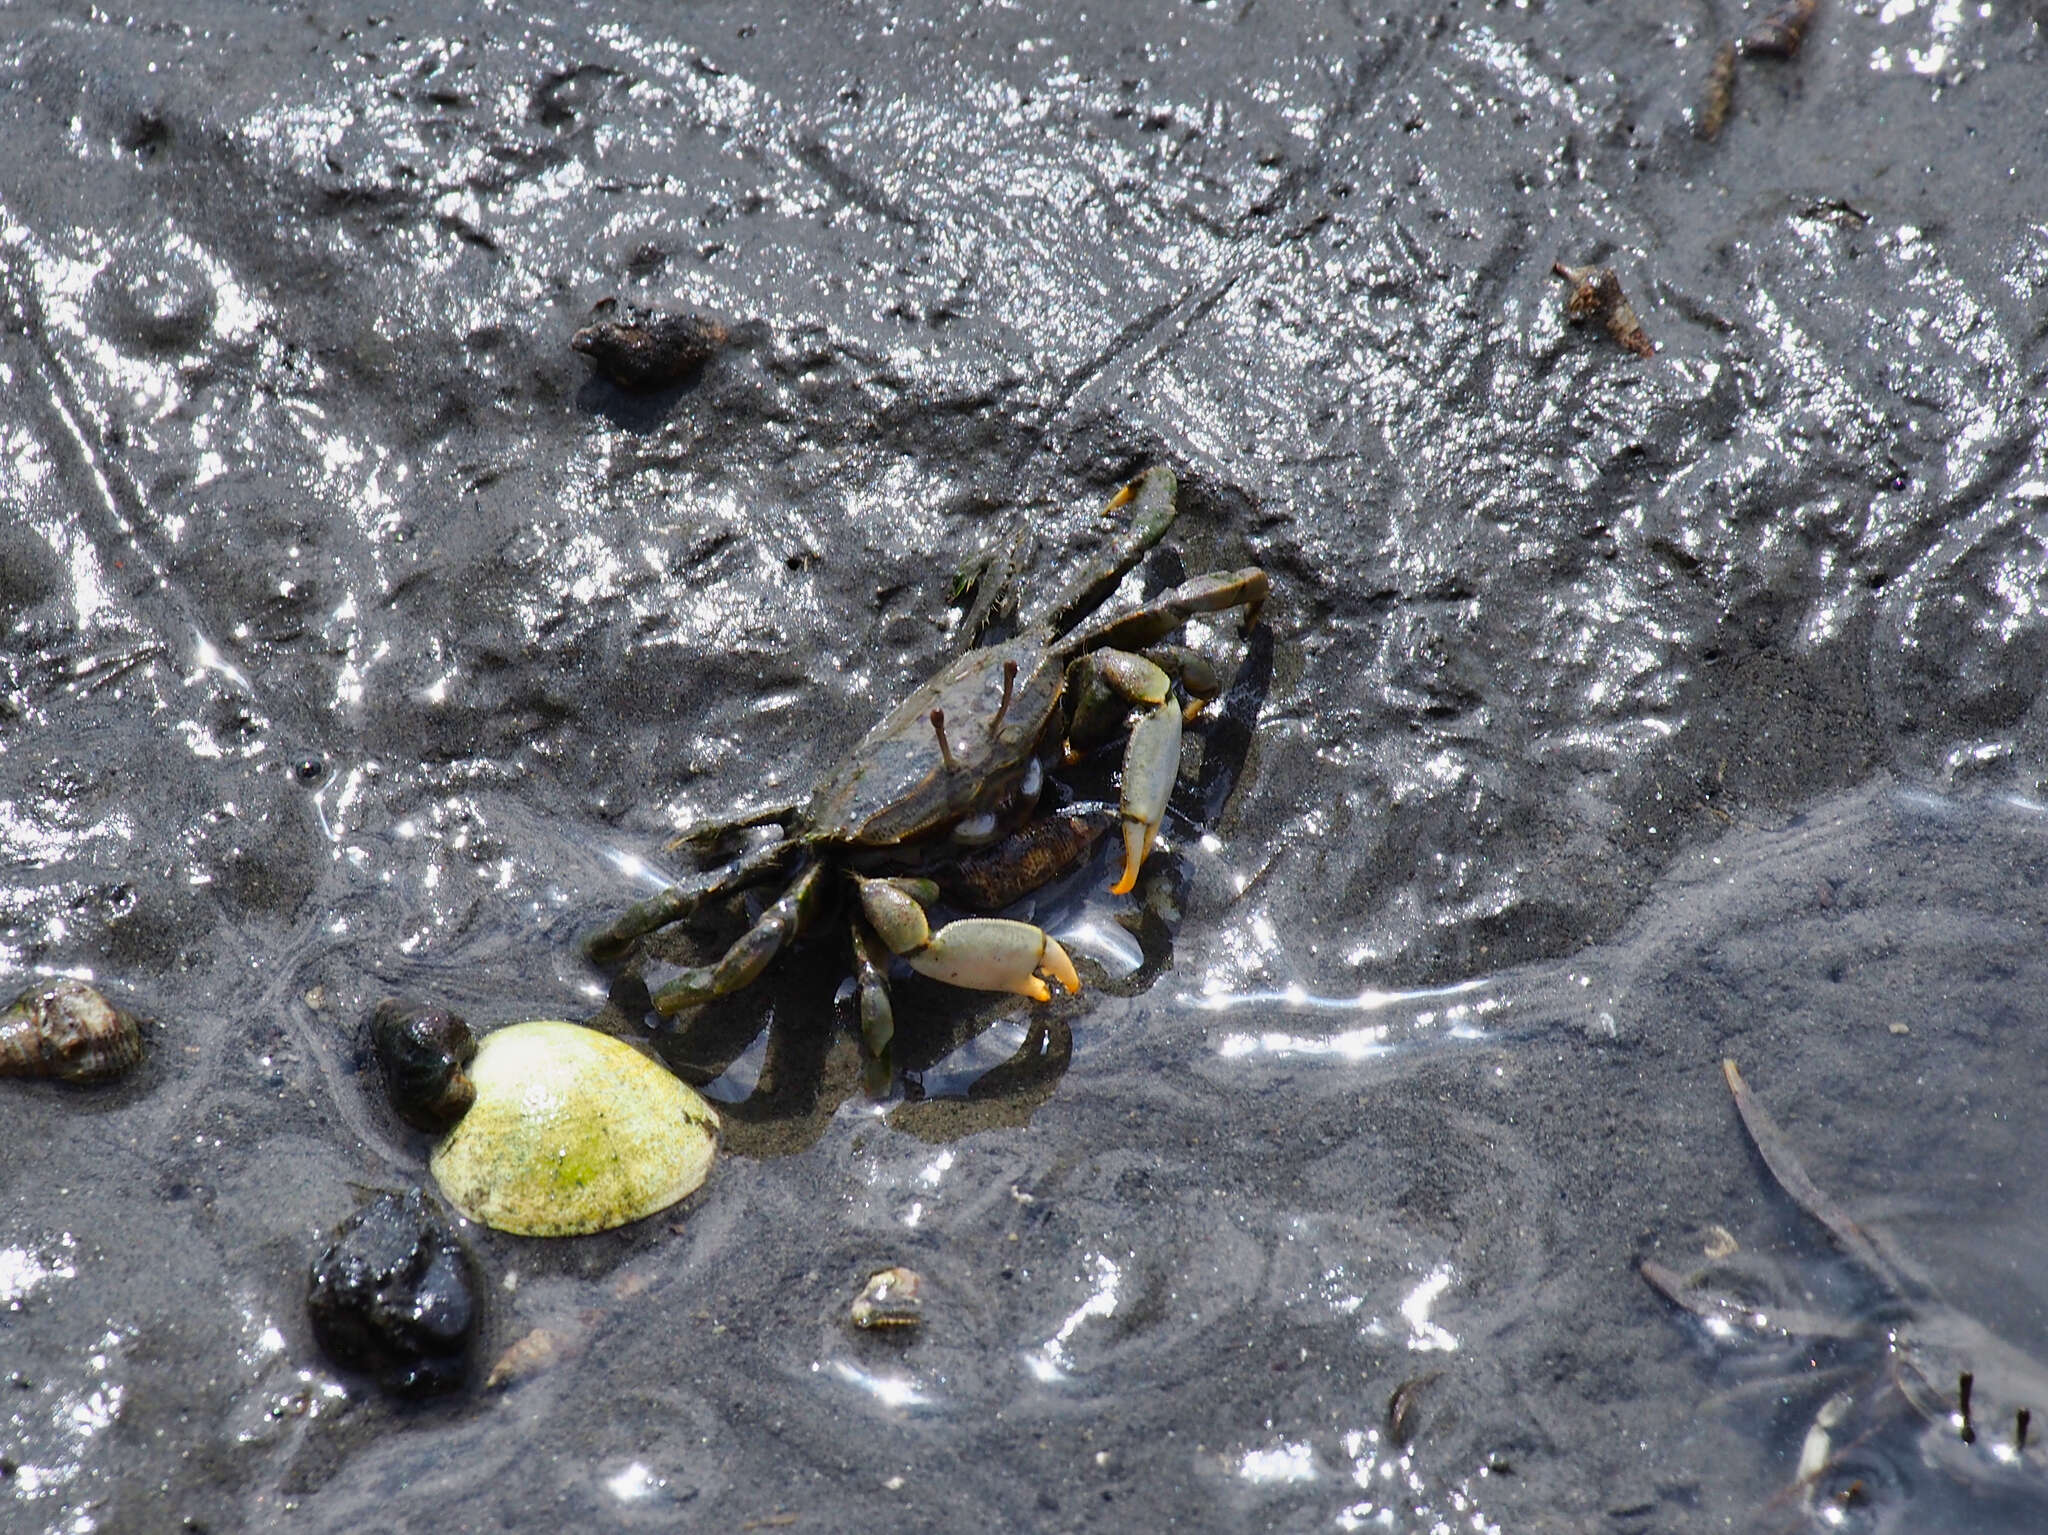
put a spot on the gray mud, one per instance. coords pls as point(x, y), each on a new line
point(1612, 715)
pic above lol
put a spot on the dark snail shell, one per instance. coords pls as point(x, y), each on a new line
point(646, 351)
point(1781, 32)
point(423, 1052)
point(66, 1029)
point(1030, 858)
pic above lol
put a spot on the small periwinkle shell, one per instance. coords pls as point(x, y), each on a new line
point(423, 1052)
point(66, 1029)
point(394, 1297)
point(572, 1132)
point(1781, 32)
point(1596, 294)
point(893, 1297)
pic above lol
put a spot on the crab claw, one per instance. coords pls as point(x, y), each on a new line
point(981, 953)
point(896, 913)
point(1151, 759)
point(995, 954)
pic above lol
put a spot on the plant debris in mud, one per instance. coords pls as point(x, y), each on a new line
point(1978, 1433)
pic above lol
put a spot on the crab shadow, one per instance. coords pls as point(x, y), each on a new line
point(640, 411)
point(778, 1084)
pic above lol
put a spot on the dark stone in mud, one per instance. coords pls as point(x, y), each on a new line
point(394, 1298)
point(30, 571)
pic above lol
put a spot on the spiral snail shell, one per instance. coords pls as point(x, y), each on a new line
point(66, 1029)
point(423, 1052)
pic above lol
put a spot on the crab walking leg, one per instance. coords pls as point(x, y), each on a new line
point(981, 953)
point(1195, 673)
point(1151, 760)
point(751, 951)
point(1104, 684)
point(706, 835)
point(1245, 589)
point(1154, 499)
point(675, 903)
point(877, 1017)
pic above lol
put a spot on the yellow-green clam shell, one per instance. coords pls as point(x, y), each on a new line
point(571, 1132)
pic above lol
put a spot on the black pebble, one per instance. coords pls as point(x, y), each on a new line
point(394, 1297)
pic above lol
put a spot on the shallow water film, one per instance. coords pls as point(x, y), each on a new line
point(1653, 676)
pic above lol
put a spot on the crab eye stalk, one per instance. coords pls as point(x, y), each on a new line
point(1003, 708)
point(945, 751)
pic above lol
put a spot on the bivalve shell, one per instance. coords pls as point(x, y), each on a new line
point(572, 1132)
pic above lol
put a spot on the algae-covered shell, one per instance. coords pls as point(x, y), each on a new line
point(66, 1029)
point(571, 1132)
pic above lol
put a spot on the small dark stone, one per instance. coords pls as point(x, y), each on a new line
point(647, 260)
point(645, 351)
point(30, 570)
point(423, 1051)
point(394, 1298)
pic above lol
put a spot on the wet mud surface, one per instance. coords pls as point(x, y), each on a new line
point(1613, 714)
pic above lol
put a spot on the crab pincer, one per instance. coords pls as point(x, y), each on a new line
point(1151, 760)
point(980, 953)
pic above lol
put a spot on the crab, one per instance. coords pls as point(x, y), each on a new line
point(1965, 1395)
point(956, 772)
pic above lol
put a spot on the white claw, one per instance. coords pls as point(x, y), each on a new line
point(995, 954)
point(1151, 759)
